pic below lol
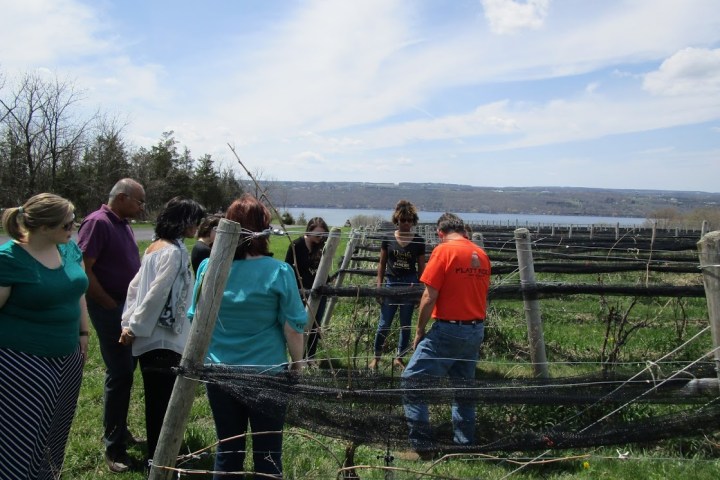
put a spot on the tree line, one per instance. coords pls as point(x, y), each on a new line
point(48, 143)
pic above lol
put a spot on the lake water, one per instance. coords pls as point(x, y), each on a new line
point(337, 216)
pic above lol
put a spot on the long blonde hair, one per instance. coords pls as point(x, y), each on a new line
point(41, 210)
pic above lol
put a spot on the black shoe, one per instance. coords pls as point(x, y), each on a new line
point(133, 440)
point(118, 462)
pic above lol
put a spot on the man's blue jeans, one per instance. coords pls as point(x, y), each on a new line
point(120, 366)
point(387, 312)
point(448, 350)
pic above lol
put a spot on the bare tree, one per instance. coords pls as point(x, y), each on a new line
point(64, 135)
point(24, 119)
point(41, 129)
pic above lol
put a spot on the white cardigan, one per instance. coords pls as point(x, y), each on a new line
point(160, 271)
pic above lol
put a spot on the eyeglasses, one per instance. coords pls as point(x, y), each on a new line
point(69, 225)
point(139, 202)
point(406, 220)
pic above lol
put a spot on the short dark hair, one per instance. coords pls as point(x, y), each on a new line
point(207, 224)
point(176, 217)
point(449, 222)
point(253, 216)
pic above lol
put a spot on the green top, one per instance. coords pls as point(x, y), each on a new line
point(42, 314)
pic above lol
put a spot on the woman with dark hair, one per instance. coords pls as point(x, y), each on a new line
point(154, 321)
point(205, 239)
point(304, 255)
point(43, 336)
point(261, 317)
point(402, 261)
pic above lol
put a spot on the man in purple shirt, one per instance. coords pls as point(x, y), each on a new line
point(111, 261)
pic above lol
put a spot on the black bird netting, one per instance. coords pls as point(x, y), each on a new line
point(367, 408)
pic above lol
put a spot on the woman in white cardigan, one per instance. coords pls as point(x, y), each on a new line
point(155, 319)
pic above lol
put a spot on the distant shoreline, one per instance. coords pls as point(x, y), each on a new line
point(338, 216)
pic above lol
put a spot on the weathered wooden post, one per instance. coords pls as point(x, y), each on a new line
point(654, 233)
point(709, 247)
point(704, 228)
point(617, 231)
point(531, 302)
point(552, 231)
point(591, 228)
point(173, 428)
point(349, 250)
point(478, 239)
point(323, 271)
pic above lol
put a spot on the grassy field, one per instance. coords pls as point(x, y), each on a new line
point(575, 331)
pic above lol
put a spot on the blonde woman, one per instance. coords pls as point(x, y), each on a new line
point(43, 335)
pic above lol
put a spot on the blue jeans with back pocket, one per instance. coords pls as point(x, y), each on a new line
point(447, 351)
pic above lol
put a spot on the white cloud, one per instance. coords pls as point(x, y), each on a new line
point(311, 158)
point(338, 82)
point(591, 87)
point(508, 16)
point(45, 32)
point(691, 71)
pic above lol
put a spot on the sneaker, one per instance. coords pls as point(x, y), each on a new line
point(117, 462)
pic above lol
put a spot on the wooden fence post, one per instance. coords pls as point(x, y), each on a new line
point(654, 233)
point(347, 258)
point(321, 276)
point(704, 228)
point(709, 247)
point(478, 239)
point(173, 428)
point(531, 302)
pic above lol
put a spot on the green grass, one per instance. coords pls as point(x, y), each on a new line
point(574, 330)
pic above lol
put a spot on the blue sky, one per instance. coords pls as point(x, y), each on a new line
point(611, 94)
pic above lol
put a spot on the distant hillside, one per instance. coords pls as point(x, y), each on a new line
point(463, 198)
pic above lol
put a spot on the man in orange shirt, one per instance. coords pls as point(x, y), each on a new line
point(457, 279)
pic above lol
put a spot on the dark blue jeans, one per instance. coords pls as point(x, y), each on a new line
point(120, 366)
point(231, 418)
point(451, 351)
point(387, 312)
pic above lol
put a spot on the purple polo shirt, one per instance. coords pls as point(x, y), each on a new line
point(110, 241)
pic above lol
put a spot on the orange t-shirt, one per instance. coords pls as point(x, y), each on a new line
point(460, 271)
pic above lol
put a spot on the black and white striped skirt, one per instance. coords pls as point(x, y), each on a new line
point(38, 396)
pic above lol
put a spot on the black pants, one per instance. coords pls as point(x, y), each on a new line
point(120, 366)
point(158, 381)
